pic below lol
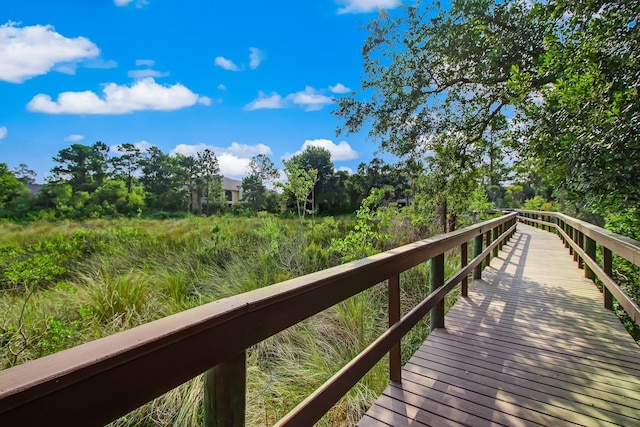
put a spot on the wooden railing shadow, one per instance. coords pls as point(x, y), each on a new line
point(98, 382)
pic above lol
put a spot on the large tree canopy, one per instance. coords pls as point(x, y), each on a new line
point(558, 79)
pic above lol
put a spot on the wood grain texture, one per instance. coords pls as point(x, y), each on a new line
point(531, 345)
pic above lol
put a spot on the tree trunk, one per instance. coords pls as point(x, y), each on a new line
point(443, 216)
point(452, 221)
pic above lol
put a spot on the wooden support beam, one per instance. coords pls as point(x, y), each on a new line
point(225, 393)
point(607, 266)
point(395, 363)
point(437, 280)
point(590, 248)
point(487, 240)
point(464, 260)
point(477, 250)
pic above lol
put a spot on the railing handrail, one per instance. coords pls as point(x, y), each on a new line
point(109, 377)
point(581, 238)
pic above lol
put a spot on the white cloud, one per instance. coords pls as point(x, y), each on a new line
point(146, 72)
point(3, 132)
point(226, 64)
point(66, 68)
point(233, 160)
point(144, 94)
point(232, 166)
point(244, 150)
point(204, 100)
point(339, 88)
point(139, 3)
point(310, 99)
point(34, 50)
point(222, 87)
point(143, 74)
point(365, 6)
point(339, 152)
point(188, 150)
point(74, 137)
point(100, 63)
point(145, 62)
point(346, 169)
point(255, 57)
point(263, 101)
point(143, 146)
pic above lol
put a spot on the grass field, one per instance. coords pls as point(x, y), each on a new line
point(62, 284)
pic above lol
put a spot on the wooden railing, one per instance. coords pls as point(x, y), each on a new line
point(99, 381)
point(582, 239)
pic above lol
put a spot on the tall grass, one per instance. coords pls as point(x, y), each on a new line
point(119, 274)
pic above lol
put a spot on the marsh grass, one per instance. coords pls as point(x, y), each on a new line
point(123, 273)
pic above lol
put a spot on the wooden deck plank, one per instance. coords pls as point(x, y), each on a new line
point(491, 411)
point(546, 359)
point(528, 384)
point(528, 366)
point(531, 345)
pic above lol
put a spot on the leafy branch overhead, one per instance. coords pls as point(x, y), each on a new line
point(557, 81)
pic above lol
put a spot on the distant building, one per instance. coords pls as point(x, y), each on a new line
point(232, 190)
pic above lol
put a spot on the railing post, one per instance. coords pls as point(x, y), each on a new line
point(225, 393)
point(395, 363)
point(566, 229)
point(496, 234)
point(574, 237)
point(464, 260)
point(437, 280)
point(607, 266)
point(581, 243)
point(477, 250)
point(487, 240)
point(590, 249)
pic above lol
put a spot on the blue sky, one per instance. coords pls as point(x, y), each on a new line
point(241, 77)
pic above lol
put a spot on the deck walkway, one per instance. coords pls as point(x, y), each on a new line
point(532, 345)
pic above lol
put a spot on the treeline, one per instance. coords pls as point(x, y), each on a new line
point(90, 181)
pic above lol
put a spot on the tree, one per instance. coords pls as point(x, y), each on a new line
point(162, 178)
point(318, 159)
point(24, 174)
point(82, 166)
point(448, 179)
point(254, 191)
point(114, 197)
point(126, 164)
point(563, 75)
point(262, 166)
point(300, 183)
point(209, 174)
point(586, 125)
point(10, 186)
point(188, 174)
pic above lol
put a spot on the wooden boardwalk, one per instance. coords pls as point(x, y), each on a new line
point(532, 345)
